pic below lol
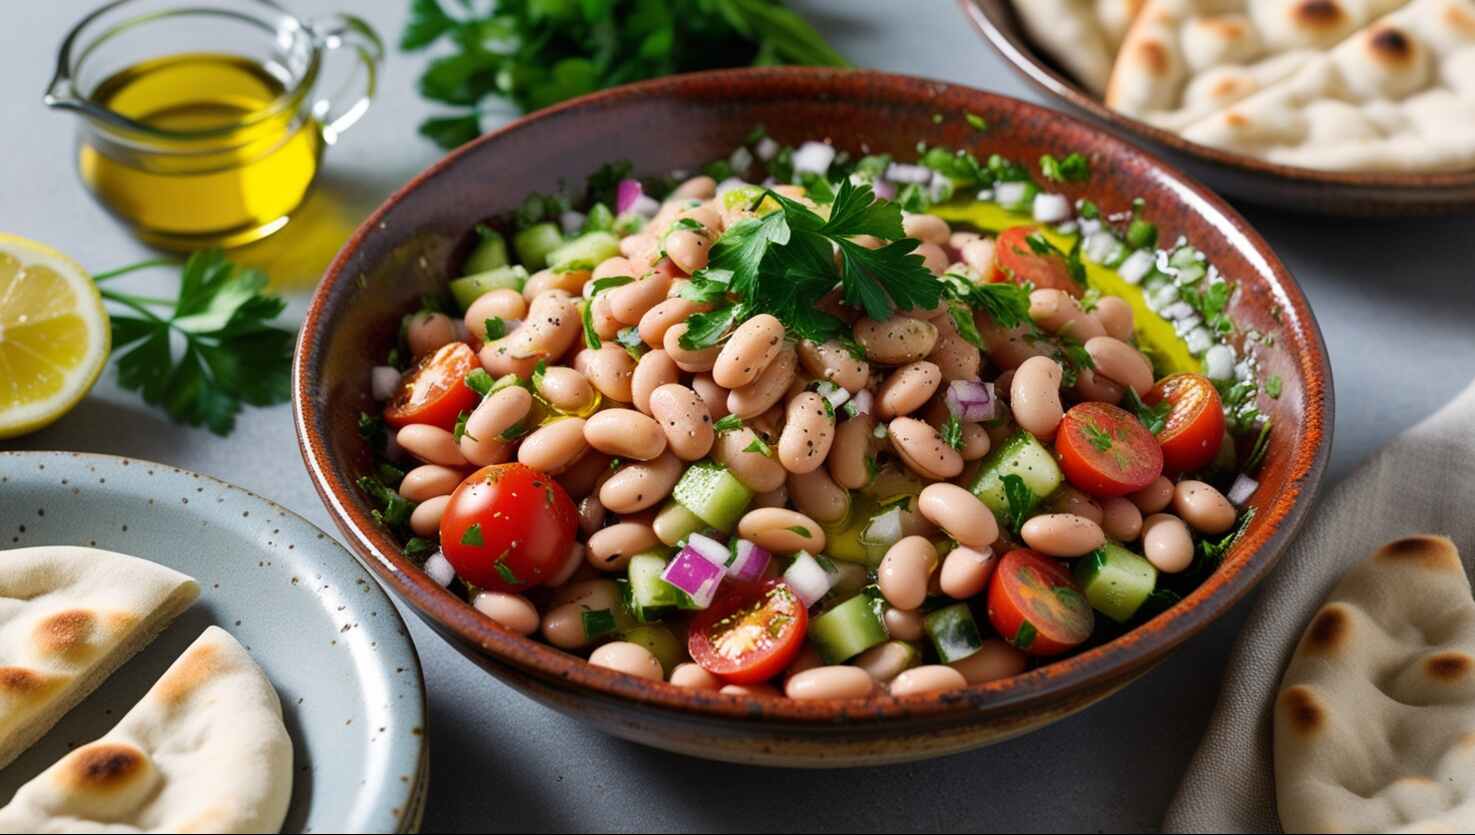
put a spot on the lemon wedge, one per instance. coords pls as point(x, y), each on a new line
point(54, 335)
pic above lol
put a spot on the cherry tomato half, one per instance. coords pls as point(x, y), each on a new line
point(435, 391)
point(749, 634)
point(1193, 429)
point(1015, 260)
point(1105, 451)
point(1034, 604)
point(508, 527)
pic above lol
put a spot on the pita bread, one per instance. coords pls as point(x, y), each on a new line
point(1184, 60)
point(204, 751)
point(1375, 721)
point(1398, 96)
point(68, 618)
point(1081, 35)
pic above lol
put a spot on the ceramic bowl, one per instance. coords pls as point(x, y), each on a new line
point(415, 240)
point(1240, 176)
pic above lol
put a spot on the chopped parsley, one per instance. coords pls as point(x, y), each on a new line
point(976, 121)
point(393, 510)
point(1273, 386)
point(759, 446)
point(459, 431)
point(496, 328)
point(472, 536)
point(1073, 169)
point(597, 623)
point(952, 432)
point(1020, 500)
point(800, 530)
point(728, 423)
point(1155, 417)
point(1099, 438)
point(505, 571)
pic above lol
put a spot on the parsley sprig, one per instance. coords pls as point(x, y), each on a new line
point(231, 355)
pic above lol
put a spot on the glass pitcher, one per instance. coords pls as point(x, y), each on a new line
point(203, 122)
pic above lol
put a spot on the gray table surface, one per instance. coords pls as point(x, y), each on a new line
point(1394, 299)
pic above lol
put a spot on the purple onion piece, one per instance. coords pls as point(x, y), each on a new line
point(695, 575)
point(626, 193)
point(970, 400)
point(750, 563)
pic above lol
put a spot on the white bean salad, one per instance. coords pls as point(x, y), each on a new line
point(816, 425)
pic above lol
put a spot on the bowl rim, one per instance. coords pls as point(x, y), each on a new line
point(1098, 666)
point(1025, 61)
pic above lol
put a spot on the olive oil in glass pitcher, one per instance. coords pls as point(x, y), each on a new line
point(202, 124)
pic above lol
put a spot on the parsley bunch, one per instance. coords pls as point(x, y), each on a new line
point(229, 353)
point(533, 53)
point(783, 263)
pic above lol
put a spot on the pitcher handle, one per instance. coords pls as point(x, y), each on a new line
point(337, 113)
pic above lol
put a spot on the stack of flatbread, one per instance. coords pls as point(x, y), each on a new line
point(204, 751)
point(1348, 85)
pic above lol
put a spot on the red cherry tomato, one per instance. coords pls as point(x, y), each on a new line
point(435, 391)
point(1106, 451)
point(1015, 260)
point(749, 634)
point(1193, 429)
point(1034, 604)
point(508, 527)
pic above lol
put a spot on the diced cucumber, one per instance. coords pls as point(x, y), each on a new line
point(661, 642)
point(675, 523)
point(1025, 457)
point(599, 219)
point(954, 633)
point(850, 628)
point(589, 248)
point(489, 254)
point(469, 288)
point(1116, 581)
point(649, 596)
point(708, 490)
point(535, 242)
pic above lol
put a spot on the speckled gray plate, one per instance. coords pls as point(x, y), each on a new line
point(321, 628)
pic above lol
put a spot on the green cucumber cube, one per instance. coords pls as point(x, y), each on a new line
point(954, 632)
point(1115, 581)
point(1020, 455)
point(489, 254)
point(535, 242)
point(850, 628)
point(589, 248)
point(713, 494)
point(469, 288)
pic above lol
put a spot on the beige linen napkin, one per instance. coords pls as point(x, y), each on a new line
point(1422, 482)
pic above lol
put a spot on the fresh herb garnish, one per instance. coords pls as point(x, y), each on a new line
point(799, 530)
point(1020, 500)
point(1140, 233)
point(472, 536)
point(629, 339)
point(597, 623)
point(418, 548)
point(1154, 417)
point(728, 423)
point(1024, 636)
point(459, 431)
point(586, 315)
point(232, 354)
point(952, 432)
point(759, 446)
point(496, 328)
point(539, 52)
point(479, 381)
point(976, 121)
point(1099, 438)
point(1073, 169)
point(505, 571)
point(1273, 386)
point(393, 510)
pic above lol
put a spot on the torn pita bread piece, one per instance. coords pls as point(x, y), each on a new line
point(1185, 60)
point(1375, 721)
point(1080, 35)
point(1398, 96)
point(204, 751)
point(69, 617)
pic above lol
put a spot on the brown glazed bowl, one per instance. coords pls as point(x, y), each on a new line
point(1237, 175)
point(412, 243)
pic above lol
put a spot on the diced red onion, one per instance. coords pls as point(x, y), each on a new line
point(1051, 208)
point(814, 157)
point(645, 206)
point(440, 569)
point(1136, 267)
point(899, 172)
point(384, 381)
point(749, 563)
point(767, 148)
point(1242, 489)
point(626, 193)
point(710, 548)
point(808, 579)
point(729, 184)
point(862, 400)
point(571, 222)
point(970, 400)
point(884, 189)
point(695, 575)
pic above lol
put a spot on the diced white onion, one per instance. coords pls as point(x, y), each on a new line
point(439, 568)
point(571, 222)
point(939, 188)
point(1136, 267)
point(1177, 310)
point(1099, 246)
point(1163, 265)
point(740, 159)
point(1199, 340)
point(1011, 193)
point(767, 148)
point(1183, 326)
point(1051, 208)
point(384, 381)
point(1242, 489)
point(1069, 227)
point(645, 206)
point(814, 157)
point(1163, 296)
point(710, 549)
point(862, 401)
point(882, 532)
point(1219, 362)
point(836, 395)
point(808, 579)
point(898, 172)
point(879, 432)
point(985, 194)
point(729, 184)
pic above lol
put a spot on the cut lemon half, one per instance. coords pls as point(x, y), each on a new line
point(54, 335)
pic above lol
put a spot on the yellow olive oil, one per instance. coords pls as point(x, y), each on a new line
point(240, 158)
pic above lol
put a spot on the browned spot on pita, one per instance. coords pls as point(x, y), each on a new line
point(1425, 550)
point(193, 670)
point(64, 632)
point(1318, 14)
point(1302, 710)
point(1153, 57)
point(1391, 47)
point(1449, 667)
point(1228, 28)
point(18, 681)
point(1329, 630)
point(1235, 119)
point(1225, 88)
point(104, 767)
point(1459, 19)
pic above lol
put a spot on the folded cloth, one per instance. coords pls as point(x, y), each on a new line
point(1422, 482)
